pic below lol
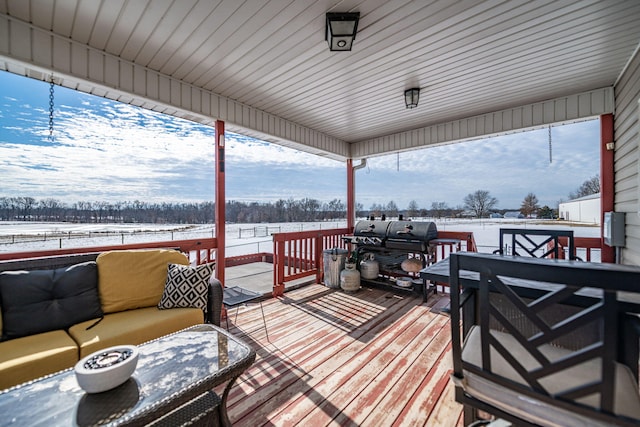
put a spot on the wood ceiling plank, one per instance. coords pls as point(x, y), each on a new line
point(162, 30)
point(19, 8)
point(318, 93)
point(197, 27)
point(41, 14)
point(140, 38)
point(274, 36)
point(213, 51)
point(84, 19)
point(63, 17)
point(502, 70)
point(104, 23)
point(385, 63)
point(180, 44)
point(301, 77)
point(301, 61)
point(126, 24)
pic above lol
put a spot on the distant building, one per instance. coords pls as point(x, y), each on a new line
point(584, 209)
point(513, 214)
point(496, 215)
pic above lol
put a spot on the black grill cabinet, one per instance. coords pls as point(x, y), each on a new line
point(392, 242)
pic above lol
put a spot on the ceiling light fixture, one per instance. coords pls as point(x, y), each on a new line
point(341, 30)
point(411, 97)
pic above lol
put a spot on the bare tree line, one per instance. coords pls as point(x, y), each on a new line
point(480, 203)
point(590, 186)
point(289, 210)
point(54, 210)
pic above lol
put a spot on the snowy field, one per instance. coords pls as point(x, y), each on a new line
point(241, 239)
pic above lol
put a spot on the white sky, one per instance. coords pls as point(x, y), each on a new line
point(107, 151)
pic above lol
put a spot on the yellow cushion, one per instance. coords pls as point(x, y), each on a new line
point(133, 327)
point(27, 358)
point(135, 278)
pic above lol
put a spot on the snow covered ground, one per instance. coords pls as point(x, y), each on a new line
point(486, 231)
point(241, 239)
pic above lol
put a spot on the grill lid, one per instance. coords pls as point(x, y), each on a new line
point(368, 228)
point(421, 231)
point(404, 235)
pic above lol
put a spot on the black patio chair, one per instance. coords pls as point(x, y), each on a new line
point(545, 342)
point(537, 243)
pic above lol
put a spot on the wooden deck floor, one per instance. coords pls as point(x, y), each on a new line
point(365, 359)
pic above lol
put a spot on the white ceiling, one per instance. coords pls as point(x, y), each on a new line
point(469, 58)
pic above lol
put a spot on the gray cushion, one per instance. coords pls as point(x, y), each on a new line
point(626, 398)
point(46, 300)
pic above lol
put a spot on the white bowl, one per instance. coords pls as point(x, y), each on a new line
point(107, 368)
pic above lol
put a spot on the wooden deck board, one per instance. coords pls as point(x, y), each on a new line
point(337, 387)
point(370, 358)
point(404, 379)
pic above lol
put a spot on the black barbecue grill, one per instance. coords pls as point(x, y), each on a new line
point(392, 242)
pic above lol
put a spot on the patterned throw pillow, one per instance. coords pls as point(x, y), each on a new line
point(186, 286)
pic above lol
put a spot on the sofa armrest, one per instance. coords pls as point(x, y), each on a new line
point(214, 301)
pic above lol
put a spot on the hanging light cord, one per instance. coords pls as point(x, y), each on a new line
point(550, 158)
point(51, 104)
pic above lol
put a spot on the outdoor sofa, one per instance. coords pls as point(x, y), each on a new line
point(56, 310)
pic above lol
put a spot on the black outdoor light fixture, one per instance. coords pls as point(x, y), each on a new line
point(341, 30)
point(411, 97)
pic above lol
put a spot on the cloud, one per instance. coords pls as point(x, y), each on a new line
point(246, 150)
point(107, 151)
point(509, 167)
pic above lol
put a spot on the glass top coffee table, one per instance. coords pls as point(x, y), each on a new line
point(172, 371)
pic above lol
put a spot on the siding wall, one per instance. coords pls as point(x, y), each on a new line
point(627, 139)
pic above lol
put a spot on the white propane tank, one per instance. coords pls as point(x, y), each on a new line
point(350, 278)
point(369, 267)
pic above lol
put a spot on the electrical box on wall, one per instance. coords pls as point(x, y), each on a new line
point(613, 228)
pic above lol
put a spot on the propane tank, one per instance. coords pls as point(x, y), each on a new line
point(350, 278)
point(369, 268)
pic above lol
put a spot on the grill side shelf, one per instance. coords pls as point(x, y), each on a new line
point(423, 289)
